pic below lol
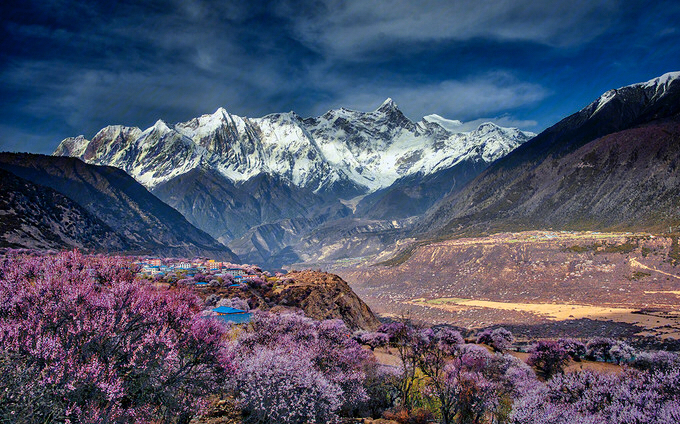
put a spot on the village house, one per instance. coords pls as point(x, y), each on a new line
point(235, 271)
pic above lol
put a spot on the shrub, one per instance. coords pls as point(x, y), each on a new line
point(574, 348)
point(93, 345)
point(656, 361)
point(598, 348)
point(621, 352)
point(549, 357)
point(499, 339)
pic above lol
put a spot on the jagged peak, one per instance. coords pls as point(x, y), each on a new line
point(110, 129)
point(72, 146)
point(387, 105)
point(160, 125)
point(221, 113)
point(283, 116)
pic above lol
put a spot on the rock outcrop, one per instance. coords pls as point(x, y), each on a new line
point(326, 296)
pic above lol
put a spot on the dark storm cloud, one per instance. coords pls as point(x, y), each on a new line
point(83, 67)
point(351, 28)
point(70, 68)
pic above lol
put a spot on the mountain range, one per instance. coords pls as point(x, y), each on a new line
point(264, 186)
point(282, 189)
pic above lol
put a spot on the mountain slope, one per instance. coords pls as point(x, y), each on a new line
point(37, 217)
point(609, 166)
point(145, 222)
point(413, 195)
point(227, 210)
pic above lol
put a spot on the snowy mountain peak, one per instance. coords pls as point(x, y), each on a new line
point(72, 146)
point(388, 104)
point(220, 115)
point(161, 126)
point(487, 127)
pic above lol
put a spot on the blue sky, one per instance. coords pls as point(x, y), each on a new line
point(72, 67)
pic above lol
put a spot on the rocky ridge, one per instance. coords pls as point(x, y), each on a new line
point(37, 217)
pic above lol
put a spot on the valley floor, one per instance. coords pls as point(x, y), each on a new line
point(573, 283)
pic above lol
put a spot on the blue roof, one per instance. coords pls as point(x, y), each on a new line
point(228, 310)
point(235, 318)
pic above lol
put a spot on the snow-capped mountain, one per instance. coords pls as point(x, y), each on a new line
point(375, 149)
point(364, 150)
point(259, 184)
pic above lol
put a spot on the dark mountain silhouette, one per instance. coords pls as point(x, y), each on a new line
point(144, 222)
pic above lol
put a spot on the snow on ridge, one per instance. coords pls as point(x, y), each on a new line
point(604, 99)
point(662, 80)
point(369, 149)
point(447, 124)
point(72, 146)
point(660, 84)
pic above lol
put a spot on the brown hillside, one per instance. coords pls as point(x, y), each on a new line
point(326, 296)
point(536, 278)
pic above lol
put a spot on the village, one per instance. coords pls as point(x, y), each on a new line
point(205, 274)
point(157, 267)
